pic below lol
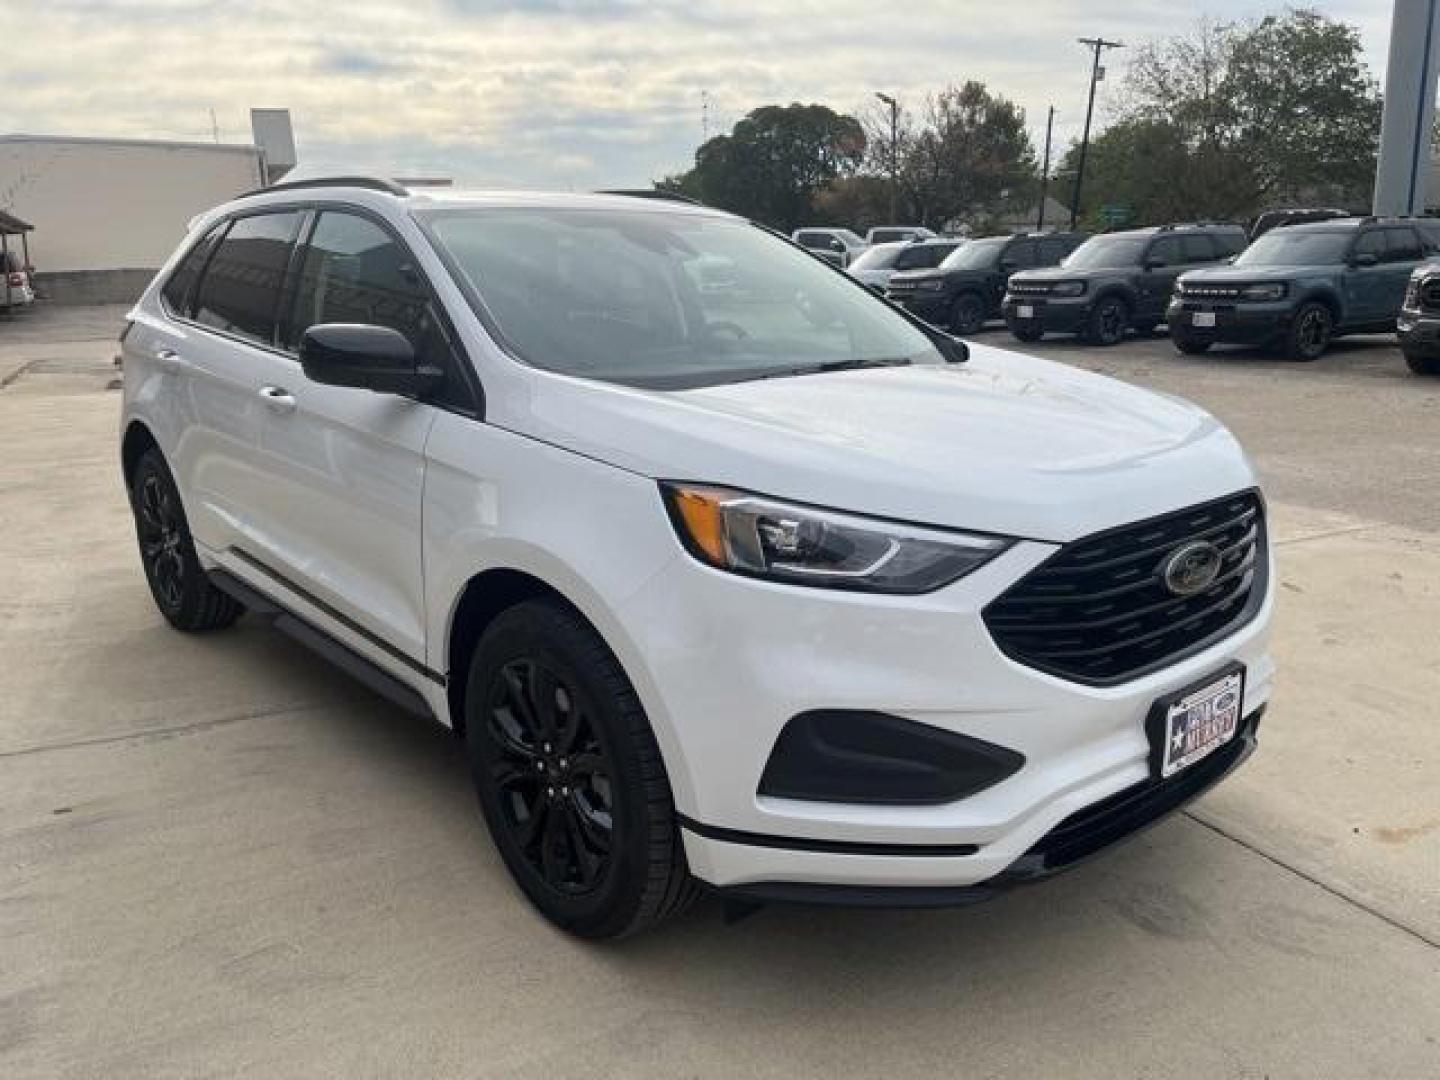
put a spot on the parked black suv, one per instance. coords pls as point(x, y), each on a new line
point(1115, 281)
point(966, 289)
point(1298, 286)
point(1419, 324)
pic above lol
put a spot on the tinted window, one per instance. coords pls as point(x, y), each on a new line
point(1106, 251)
point(1227, 244)
point(241, 287)
point(177, 290)
point(353, 271)
point(1404, 245)
point(1052, 251)
point(975, 255)
point(921, 256)
point(817, 240)
point(1165, 251)
point(1430, 234)
point(1372, 243)
point(1022, 255)
point(1197, 248)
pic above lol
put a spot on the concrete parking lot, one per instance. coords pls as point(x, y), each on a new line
point(218, 857)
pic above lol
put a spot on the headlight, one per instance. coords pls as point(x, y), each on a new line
point(1274, 290)
point(800, 545)
point(1068, 288)
point(931, 286)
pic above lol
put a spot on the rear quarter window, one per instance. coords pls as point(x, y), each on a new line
point(240, 290)
point(181, 284)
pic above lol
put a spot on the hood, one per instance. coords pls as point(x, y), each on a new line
point(1247, 275)
point(900, 277)
point(1049, 274)
point(1005, 443)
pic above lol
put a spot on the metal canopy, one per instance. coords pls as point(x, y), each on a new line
point(12, 225)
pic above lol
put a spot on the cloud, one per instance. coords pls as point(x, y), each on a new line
point(547, 93)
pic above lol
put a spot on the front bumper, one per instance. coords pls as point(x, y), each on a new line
point(730, 660)
point(1235, 324)
point(1050, 314)
point(1419, 333)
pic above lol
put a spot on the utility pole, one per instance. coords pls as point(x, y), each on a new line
point(894, 155)
point(705, 115)
point(1045, 171)
point(1097, 45)
point(214, 126)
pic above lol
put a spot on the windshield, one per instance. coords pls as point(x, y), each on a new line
point(975, 254)
point(665, 300)
point(1286, 247)
point(880, 257)
point(850, 238)
point(1106, 251)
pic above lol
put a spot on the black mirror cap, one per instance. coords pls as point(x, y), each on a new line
point(364, 356)
point(952, 349)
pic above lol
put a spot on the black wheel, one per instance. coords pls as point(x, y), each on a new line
point(570, 777)
point(1190, 346)
point(1108, 321)
point(1027, 334)
point(1423, 365)
point(1310, 332)
point(967, 314)
point(181, 589)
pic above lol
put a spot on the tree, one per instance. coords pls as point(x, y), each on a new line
point(1229, 118)
point(774, 162)
point(970, 158)
point(858, 202)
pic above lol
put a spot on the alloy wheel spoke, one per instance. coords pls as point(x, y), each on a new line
point(552, 859)
point(586, 860)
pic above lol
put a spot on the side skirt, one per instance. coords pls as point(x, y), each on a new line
point(323, 644)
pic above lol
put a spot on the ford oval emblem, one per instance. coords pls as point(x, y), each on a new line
point(1192, 568)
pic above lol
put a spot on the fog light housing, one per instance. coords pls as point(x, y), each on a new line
point(853, 756)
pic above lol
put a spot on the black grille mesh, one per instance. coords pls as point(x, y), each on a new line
point(1098, 610)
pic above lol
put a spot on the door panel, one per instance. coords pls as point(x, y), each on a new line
point(346, 467)
point(219, 370)
point(1365, 286)
point(1157, 283)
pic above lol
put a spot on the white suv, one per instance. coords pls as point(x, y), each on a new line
point(751, 581)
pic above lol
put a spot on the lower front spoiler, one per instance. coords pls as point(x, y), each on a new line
point(1079, 837)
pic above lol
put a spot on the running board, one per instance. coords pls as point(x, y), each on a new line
point(323, 644)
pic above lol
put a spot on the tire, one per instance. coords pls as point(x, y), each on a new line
point(1108, 321)
point(1027, 334)
point(179, 585)
point(1423, 365)
point(1310, 332)
point(967, 314)
point(1190, 346)
point(569, 776)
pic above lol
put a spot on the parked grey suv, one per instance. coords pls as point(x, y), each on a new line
point(1115, 281)
point(1299, 286)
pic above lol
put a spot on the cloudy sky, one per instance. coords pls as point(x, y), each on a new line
point(547, 93)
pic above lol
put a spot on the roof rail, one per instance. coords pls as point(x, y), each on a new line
point(651, 193)
point(373, 183)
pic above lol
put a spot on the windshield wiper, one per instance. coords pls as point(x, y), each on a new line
point(869, 362)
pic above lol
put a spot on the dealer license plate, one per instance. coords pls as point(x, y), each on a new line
point(1024, 311)
point(1204, 318)
point(1201, 722)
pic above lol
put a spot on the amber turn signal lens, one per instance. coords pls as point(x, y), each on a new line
point(700, 511)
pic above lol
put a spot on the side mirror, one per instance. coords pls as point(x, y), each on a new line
point(365, 357)
point(1155, 264)
point(837, 245)
point(1364, 259)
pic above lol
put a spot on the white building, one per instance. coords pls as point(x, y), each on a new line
point(108, 212)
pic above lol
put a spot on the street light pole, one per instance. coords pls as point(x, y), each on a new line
point(1045, 171)
point(1097, 45)
point(894, 154)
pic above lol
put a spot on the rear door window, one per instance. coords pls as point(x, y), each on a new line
point(1052, 251)
point(1372, 243)
point(177, 290)
point(1165, 251)
point(1023, 255)
point(240, 292)
point(1402, 245)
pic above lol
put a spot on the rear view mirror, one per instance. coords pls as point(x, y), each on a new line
point(366, 357)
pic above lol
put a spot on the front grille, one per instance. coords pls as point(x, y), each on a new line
point(1098, 611)
point(1029, 288)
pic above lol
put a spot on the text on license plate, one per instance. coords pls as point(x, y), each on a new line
point(1201, 723)
point(1025, 311)
point(1204, 318)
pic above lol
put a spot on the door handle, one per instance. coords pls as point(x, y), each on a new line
point(277, 399)
point(168, 359)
